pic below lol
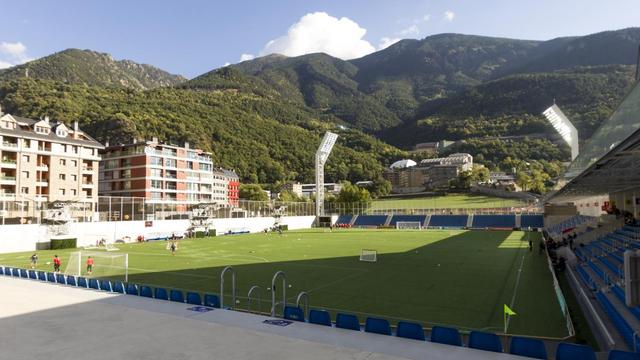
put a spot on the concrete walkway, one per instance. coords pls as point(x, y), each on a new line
point(47, 321)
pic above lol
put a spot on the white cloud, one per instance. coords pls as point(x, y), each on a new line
point(13, 54)
point(449, 15)
point(411, 30)
point(427, 17)
point(385, 42)
point(226, 64)
point(245, 57)
point(321, 32)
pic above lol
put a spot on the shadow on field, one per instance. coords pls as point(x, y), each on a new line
point(457, 281)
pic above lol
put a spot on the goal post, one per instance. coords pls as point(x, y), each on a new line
point(369, 255)
point(405, 225)
point(105, 264)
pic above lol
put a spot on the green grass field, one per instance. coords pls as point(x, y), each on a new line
point(465, 201)
point(458, 278)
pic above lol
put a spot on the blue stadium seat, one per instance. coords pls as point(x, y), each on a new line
point(93, 284)
point(344, 219)
point(24, 273)
point(82, 282)
point(377, 326)
point(211, 300)
point(566, 351)
point(370, 220)
point(60, 279)
point(118, 286)
point(532, 221)
point(131, 289)
point(623, 355)
point(446, 335)
point(494, 221)
point(1, 270)
point(161, 293)
point(485, 341)
point(7, 271)
point(42, 276)
point(319, 317)
point(176, 296)
point(15, 272)
point(448, 221)
point(194, 298)
point(71, 280)
point(413, 218)
point(347, 321)
point(105, 285)
point(293, 313)
point(33, 275)
point(527, 347)
point(410, 330)
point(145, 291)
point(51, 277)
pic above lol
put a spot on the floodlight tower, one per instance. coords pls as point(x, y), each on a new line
point(321, 158)
point(564, 127)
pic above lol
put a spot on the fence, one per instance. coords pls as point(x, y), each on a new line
point(23, 210)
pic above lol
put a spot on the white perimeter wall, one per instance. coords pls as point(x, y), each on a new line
point(16, 238)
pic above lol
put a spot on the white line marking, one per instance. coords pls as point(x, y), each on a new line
point(515, 291)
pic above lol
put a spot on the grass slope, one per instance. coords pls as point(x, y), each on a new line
point(458, 278)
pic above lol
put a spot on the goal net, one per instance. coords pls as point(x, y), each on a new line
point(105, 265)
point(415, 225)
point(369, 255)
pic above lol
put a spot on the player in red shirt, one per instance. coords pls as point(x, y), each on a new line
point(89, 265)
point(56, 263)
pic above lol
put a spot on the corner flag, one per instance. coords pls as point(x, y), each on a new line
point(507, 312)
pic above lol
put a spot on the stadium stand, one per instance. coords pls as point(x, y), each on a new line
point(414, 218)
point(532, 348)
point(478, 340)
point(569, 224)
point(410, 330)
point(51, 277)
point(370, 220)
point(105, 285)
point(293, 313)
point(82, 282)
point(319, 317)
point(448, 221)
point(347, 321)
point(344, 220)
point(33, 274)
point(531, 221)
point(377, 326)
point(446, 335)
point(176, 296)
point(494, 221)
point(485, 341)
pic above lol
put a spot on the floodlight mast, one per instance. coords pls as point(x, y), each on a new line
point(321, 158)
point(564, 127)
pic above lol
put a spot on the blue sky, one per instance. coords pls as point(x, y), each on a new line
point(192, 37)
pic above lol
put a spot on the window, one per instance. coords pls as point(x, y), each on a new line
point(74, 163)
point(25, 158)
point(156, 172)
point(74, 192)
point(74, 177)
point(62, 177)
point(25, 174)
point(170, 163)
point(156, 195)
point(156, 160)
point(190, 165)
point(26, 143)
point(156, 184)
point(61, 132)
point(62, 192)
point(24, 190)
point(63, 162)
point(74, 149)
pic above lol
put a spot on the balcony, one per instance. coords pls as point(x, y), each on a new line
point(87, 169)
point(10, 144)
point(87, 184)
point(7, 178)
point(42, 167)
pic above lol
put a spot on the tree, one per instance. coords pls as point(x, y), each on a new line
point(253, 192)
point(289, 196)
point(353, 194)
point(380, 187)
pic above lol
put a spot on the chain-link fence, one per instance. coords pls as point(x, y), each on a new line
point(25, 210)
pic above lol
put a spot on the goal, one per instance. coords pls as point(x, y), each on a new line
point(369, 255)
point(404, 225)
point(105, 264)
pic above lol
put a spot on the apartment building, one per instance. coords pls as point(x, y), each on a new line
point(161, 173)
point(226, 187)
point(43, 160)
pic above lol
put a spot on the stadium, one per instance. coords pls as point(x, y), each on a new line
point(115, 247)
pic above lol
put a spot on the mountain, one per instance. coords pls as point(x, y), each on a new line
point(88, 67)
point(263, 139)
point(318, 81)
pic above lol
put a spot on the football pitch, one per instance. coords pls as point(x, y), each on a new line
point(437, 277)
